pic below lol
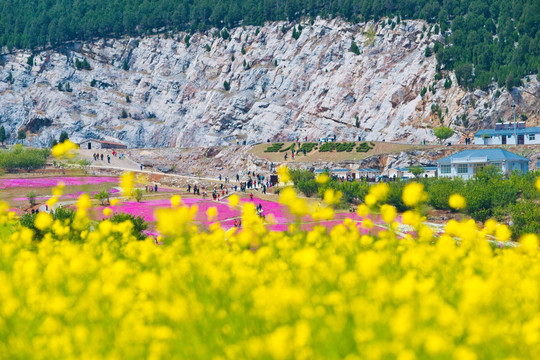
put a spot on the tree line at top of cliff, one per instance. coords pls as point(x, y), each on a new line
point(483, 40)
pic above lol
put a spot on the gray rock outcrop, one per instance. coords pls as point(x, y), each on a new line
point(280, 89)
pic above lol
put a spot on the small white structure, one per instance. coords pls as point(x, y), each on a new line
point(467, 163)
point(91, 144)
point(405, 173)
point(367, 173)
point(507, 134)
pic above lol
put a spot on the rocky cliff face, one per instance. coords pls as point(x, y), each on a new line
point(157, 91)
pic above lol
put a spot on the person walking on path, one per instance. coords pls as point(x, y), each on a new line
point(108, 158)
point(155, 188)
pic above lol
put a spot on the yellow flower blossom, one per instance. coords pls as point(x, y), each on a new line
point(332, 197)
point(457, 201)
point(175, 200)
point(413, 194)
point(388, 213)
point(362, 210)
point(127, 182)
point(211, 212)
point(283, 172)
point(67, 149)
point(234, 200)
point(43, 220)
point(529, 243)
point(322, 179)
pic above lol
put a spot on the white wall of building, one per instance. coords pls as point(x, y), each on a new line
point(467, 170)
point(528, 139)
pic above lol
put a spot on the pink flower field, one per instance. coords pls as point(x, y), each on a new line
point(69, 196)
point(53, 181)
point(227, 215)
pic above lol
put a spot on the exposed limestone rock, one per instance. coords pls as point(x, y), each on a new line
point(280, 89)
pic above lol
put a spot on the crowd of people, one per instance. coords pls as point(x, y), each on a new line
point(101, 157)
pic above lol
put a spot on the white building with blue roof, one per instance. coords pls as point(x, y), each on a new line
point(508, 133)
point(467, 163)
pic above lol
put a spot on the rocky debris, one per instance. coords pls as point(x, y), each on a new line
point(174, 95)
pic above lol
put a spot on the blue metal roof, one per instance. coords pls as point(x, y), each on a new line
point(491, 154)
point(368, 170)
point(492, 132)
point(426, 168)
point(318, 171)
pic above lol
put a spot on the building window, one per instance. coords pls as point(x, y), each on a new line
point(531, 137)
point(446, 169)
point(497, 165)
point(462, 169)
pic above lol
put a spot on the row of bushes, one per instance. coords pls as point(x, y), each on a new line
point(307, 146)
point(326, 147)
point(364, 147)
point(488, 195)
point(21, 158)
point(67, 215)
point(274, 147)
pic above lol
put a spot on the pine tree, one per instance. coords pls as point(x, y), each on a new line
point(125, 66)
point(21, 135)
point(226, 85)
point(354, 48)
point(3, 135)
point(63, 136)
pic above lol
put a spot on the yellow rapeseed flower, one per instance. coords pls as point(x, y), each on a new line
point(43, 220)
point(413, 194)
point(234, 200)
point(529, 243)
point(537, 183)
point(457, 201)
point(67, 149)
point(283, 172)
point(175, 200)
point(502, 232)
point(362, 210)
point(211, 212)
point(332, 197)
point(377, 193)
point(388, 213)
point(127, 182)
point(322, 179)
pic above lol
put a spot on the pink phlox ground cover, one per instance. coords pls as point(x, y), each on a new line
point(53, 181)
point(69, 196)
point(226, 215)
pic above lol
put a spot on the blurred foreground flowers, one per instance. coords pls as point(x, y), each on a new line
point(345, 293)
